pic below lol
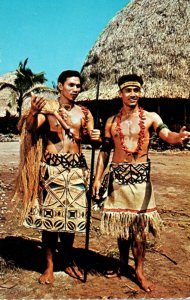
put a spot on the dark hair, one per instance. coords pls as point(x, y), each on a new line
point(130, 77)
point(68, 73)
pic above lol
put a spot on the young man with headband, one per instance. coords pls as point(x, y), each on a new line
point(129, 210)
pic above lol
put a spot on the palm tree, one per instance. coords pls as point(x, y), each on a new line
point(25, 80)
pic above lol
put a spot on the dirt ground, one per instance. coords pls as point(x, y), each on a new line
point(167, 261)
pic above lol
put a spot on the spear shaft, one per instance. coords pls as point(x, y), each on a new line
point(91, 175)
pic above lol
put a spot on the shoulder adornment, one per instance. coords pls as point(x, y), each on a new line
point(160, 127)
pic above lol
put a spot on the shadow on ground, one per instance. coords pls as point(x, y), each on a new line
point(28, 255)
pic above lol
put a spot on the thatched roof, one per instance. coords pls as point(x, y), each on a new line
point(39, 90)
point(8, 94)
point(8, 78)
point(150, 38)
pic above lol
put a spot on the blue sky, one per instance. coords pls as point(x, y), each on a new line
point(54, 34)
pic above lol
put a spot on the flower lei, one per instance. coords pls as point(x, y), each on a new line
point(141, 133)
point(85, 111)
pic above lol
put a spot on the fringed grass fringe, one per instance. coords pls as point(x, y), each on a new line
point(126, 224)
point(31, 151)
point(27, 185)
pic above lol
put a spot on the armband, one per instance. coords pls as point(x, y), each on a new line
point(107, 144)
point(160, 127)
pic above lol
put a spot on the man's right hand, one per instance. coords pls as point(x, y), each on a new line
point(34, 119)
point(37, 104)
point(95, 189)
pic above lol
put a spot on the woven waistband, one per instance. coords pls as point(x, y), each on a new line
point(67, 160)
point(125, 173)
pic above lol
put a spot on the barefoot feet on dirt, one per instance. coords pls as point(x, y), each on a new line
point(46, 277)
point(145, 284)
point(111, 274)
point(74, 272)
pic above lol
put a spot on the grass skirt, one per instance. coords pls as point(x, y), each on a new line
point(129, 210)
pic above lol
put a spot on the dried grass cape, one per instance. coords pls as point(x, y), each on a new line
point(31, 152)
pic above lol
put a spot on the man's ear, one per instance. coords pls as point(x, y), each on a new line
point(120, 93)
point(60, 86)
point(142, 93)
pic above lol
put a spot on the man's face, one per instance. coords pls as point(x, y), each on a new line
point(130, 95)
point(70, 88)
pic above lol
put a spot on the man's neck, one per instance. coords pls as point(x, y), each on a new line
point(66, 103)
point(128, 110)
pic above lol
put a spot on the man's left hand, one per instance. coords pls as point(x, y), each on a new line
point(184, 135)
point(95, 135)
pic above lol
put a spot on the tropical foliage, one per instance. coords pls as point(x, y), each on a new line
point(25, 80)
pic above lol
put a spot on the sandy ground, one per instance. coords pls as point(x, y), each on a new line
point(167, 261)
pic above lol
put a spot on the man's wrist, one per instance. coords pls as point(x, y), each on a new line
point(33, 113)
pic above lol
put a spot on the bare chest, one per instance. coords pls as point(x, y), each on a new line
point(127, 127)
point(72, 119)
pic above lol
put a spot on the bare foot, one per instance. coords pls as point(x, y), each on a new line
point(74, 272)
point(145, 284)
point(46, 277)
point(111, 274)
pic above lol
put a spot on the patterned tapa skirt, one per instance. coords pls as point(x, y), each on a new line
point(62, 203)
point(129, 210)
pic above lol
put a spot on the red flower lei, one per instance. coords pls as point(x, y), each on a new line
point(141, 133)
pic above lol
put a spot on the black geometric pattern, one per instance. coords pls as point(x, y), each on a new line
point(131, 173)
point(124, 174)
point(62, 203)
point(68, 161)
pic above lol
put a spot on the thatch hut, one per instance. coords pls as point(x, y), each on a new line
point(7, 95)
point(8, 100)
point(152, 39)
point(8, 105)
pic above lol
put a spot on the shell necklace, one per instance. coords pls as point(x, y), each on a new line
point(141, 133)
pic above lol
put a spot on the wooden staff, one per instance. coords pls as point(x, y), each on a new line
point(89, 196)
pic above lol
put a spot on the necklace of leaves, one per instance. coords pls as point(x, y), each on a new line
point(141, 133)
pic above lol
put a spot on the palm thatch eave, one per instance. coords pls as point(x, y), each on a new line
point(151, 90)
point(150, 38)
